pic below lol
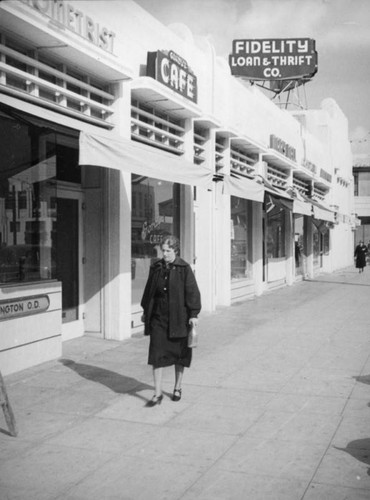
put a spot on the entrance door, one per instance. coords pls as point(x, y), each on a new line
point(69, 261)
point(317, 248)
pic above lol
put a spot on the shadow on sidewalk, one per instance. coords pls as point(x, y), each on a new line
point(114, 381)
point(358, 449)
point(364, 379)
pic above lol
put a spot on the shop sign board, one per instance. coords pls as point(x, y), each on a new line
point(310, 166)
point(274, 59)
point(282, 147)
point(65, 15)
point(173, 71)
point(23, 306)
point(325, 175)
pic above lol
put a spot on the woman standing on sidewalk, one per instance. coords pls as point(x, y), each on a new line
point(360, 255)
point(171, 302)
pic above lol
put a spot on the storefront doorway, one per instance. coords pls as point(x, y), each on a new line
point(69, 261)
point(299, 254)
point(275, 239)
point(317, 247)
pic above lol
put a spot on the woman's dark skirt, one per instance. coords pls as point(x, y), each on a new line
point(165, 351)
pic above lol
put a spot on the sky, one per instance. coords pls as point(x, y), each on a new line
point(341, 29)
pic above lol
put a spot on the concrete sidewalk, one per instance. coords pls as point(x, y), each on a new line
point(275, 406)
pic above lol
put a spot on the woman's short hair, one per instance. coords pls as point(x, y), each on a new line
point(173, 242)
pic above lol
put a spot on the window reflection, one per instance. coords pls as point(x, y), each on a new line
point(155, 213)
point(276, 234)
point(362, 184)
point(32, 158)
point(27, 203)
point(298, 243)
point(240, 265)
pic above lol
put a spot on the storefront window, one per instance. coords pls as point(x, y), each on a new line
point(275, 241)
point(326, 242)
point(27, 202)
point(32, 159)
point(240, 264)
point(317, 247)
point(298, 244)
point(155, 213)
point(363, 184)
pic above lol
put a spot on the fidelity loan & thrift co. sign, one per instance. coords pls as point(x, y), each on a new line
point(274, 59)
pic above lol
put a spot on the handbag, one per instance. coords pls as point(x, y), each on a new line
point(192, 337)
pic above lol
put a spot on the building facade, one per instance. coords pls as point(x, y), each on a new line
point(361, 176)
point(117, 130)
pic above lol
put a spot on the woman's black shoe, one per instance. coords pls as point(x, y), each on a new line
point(176, 395)
point(156, 400)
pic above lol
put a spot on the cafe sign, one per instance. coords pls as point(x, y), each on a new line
point(274, 59)
point(24, 306)
point(172, 70)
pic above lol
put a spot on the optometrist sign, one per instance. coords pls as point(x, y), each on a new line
point(173, 71)
point(23, 306)
point(274, 59)
point(65, 15)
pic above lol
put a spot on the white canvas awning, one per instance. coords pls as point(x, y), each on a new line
point(244, 188)
point(300, 206)
point(123, 154)
point(322, 213)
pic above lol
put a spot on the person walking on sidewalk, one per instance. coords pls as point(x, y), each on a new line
point(360, 255)
point(171, 303)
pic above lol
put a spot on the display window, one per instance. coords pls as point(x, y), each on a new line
point(317, 247)
point(298, 244)
point(241, 266)
point(275, 233)
point(362, 183)
point(34, 158)
point(155, 214)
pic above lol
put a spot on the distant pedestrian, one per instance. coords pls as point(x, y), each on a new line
point(171, 302)
point(360, 255)
point(297, 253)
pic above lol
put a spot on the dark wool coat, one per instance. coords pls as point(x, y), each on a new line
point(183, 295)
point(360, 254)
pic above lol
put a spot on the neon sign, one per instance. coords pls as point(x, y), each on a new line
point(173, 71)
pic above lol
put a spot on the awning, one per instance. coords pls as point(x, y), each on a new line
point(322, 213)
point(243, 188)
point(123, 154)
point(318, 211)
point(301, 206)
point(275, 204)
